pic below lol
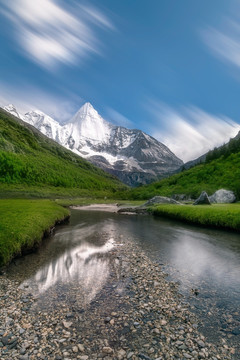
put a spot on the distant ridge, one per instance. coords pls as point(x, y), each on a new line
point(131, 155)
point(215, 170)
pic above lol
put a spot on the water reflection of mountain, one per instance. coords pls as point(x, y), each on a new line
point(83, 265)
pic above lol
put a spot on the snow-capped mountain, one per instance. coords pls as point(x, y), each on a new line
point(133, 156)
point(12, 110)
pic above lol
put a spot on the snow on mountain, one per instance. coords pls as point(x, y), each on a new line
point(12, 110)
point(44, 123)
point(133, 156)
point(90, 125)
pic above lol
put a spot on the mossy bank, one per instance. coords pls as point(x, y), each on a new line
point(223, 216)
point(23, 224)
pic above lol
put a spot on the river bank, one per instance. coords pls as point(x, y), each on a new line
point(138, 314)
point(219, 216)
point(24, 223)
point(18, 235)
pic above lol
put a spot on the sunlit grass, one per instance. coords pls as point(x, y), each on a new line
point(23, 223)
point(226, 216)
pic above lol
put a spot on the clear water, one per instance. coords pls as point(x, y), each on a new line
point(205, 263)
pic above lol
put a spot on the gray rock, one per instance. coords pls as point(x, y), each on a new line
point(201, 343)
point(107, 319)
point(187, 356)
point(180, 197)
point(22, 351)
point(203, 199)
point(222, 196)
point(144, 357)
point(5, 340)
point(160, 200)
point(13, 344)
point(130, 354)
point(236, 331)
point(24, 357)
point(21, 331)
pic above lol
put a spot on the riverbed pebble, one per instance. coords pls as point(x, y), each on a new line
point(138, 314)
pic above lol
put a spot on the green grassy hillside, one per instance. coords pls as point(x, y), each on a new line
point(29, 161)
point(220, 170)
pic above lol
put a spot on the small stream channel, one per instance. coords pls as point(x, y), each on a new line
point(205, 263)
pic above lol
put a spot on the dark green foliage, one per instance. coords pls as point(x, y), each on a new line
point(232, 147)
point(31, 159)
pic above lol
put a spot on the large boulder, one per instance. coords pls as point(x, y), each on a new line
point(203, 199)
point(222, 196)
point(160, 200)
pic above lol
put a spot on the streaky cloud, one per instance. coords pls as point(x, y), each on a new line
point(224, 43)
point(190, 132)
point(50, 34)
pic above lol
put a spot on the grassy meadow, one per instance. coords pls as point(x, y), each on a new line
point(224, 216)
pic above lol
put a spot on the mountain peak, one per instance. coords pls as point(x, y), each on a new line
point(87, 107)
point(85, 111)
point(10, 107)
point(12, 110)
point(34, 116)
point(90, 124)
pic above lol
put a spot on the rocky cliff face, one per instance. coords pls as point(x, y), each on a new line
point(133, 156)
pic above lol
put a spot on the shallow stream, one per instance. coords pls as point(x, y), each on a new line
point(205, 263)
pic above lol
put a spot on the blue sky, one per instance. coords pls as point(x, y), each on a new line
point(170, 68)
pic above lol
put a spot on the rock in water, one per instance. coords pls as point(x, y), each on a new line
point(222, 196)
point(160, 200)
point(203, 199)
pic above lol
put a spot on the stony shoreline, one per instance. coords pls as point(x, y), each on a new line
point(137, 315)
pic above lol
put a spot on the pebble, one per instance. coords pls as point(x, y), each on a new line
point(67, 324)
point(137, 315)
point(81, 347)
point(75, 349)
point(201, 343)
point(107, 350)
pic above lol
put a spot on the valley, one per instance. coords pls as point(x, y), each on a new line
point(119, 261)
point(119, 180)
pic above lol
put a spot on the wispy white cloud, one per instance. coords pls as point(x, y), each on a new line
point(225, 43)
point(116, 118)
point(190, 132)
point(59, 107)
point(49, 33)
point(223, 40)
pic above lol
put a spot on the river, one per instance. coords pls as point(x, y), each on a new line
point(204, 262)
